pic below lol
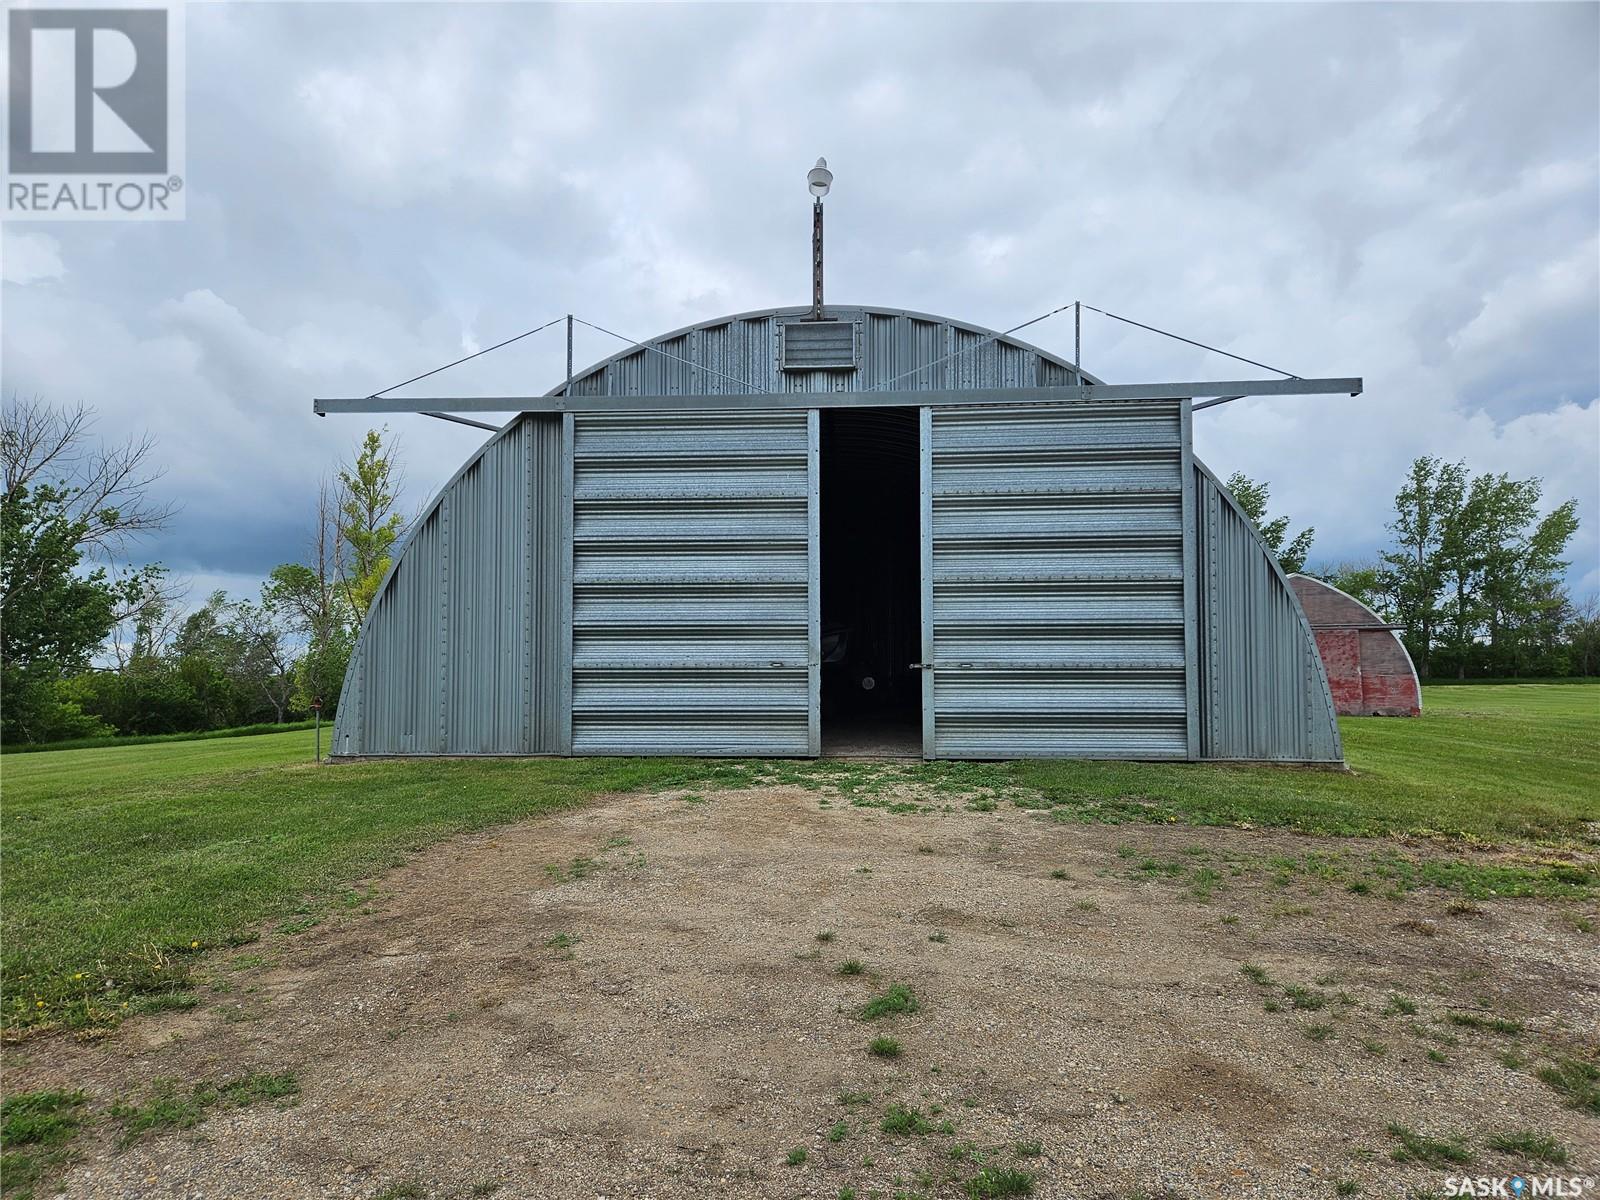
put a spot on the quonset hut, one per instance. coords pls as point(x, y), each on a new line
point(773, 534)
point(1370, 673)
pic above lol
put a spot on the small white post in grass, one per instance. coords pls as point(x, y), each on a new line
point(316, 709)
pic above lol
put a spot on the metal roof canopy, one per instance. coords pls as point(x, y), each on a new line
point(915, 397)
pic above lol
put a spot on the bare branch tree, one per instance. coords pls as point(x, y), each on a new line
point(146, 626)
point(107, 486)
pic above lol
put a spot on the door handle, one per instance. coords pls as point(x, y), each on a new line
point(921, 666)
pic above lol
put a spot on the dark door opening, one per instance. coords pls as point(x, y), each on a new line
point(870, 567)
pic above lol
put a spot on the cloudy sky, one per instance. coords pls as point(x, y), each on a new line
point(1410, 194)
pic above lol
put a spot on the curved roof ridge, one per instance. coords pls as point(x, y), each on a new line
point(757, 314)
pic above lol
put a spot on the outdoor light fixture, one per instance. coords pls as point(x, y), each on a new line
point(819, 179)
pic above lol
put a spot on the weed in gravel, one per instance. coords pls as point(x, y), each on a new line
point(825, 935)
point(1318, 1033)
point(486, 1187)
point(1230, 919)
point(1059, 873)
point(897, 1118)
point(851, 966)
point(1429, 1151)
point(840, 1131)
point(1272, 1006)
point(1438, 1056)
point(994, 1181)
point(168, 1108)
point(1086, 906)
point(1578, 1083)
point(897, 1000)
point(36, 1129)
point(1028, 1149)
point(1305, 998)
point(1346, 1187)
point(796, 1157)
point(939, 935)
point(563, 941)
point(1374, 1047)
point(1256, 974)
point(408, 1190)
point(1399, 1005)
point(1152, 867)
point(883, 1047)
point(855, 1099)
point(847, 1193)
point(260, 1086)
point(1529, 1146)
point(1493, 1024)
point(1512, 1059)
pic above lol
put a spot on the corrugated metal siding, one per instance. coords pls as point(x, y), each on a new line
point(692, 583)
point(1057, 584)
point(1263, 692)
point(1054, 574)
point(461, 653)
point(905, 350)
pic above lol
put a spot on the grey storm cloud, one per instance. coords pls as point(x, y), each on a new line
point(1408, 193)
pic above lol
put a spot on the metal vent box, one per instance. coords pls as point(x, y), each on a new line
point(819, 346)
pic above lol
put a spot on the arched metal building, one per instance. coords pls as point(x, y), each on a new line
point(772, 535)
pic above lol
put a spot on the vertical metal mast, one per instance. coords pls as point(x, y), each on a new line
point(818, 179)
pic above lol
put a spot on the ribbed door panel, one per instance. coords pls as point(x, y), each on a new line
point(1055, 541)
point(692, 580)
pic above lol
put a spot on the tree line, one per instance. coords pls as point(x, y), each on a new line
point(1473, 574)
point(90, 645)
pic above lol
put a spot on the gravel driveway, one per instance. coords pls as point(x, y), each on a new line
point(633, 1000)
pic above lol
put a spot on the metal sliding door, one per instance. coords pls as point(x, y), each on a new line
point(694, 583)
point(1053, 581)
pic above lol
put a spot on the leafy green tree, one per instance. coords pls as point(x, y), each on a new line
point(52, 617)
point(69, 504)
point(1476, 572)
point(369, 522)
point(1432, 492)
point(263, 666)
point(1252, 497)
point(1580, 635)
point(317, 609)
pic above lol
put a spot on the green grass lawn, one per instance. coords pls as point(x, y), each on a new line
point(119, 861)
point(1494, 762)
